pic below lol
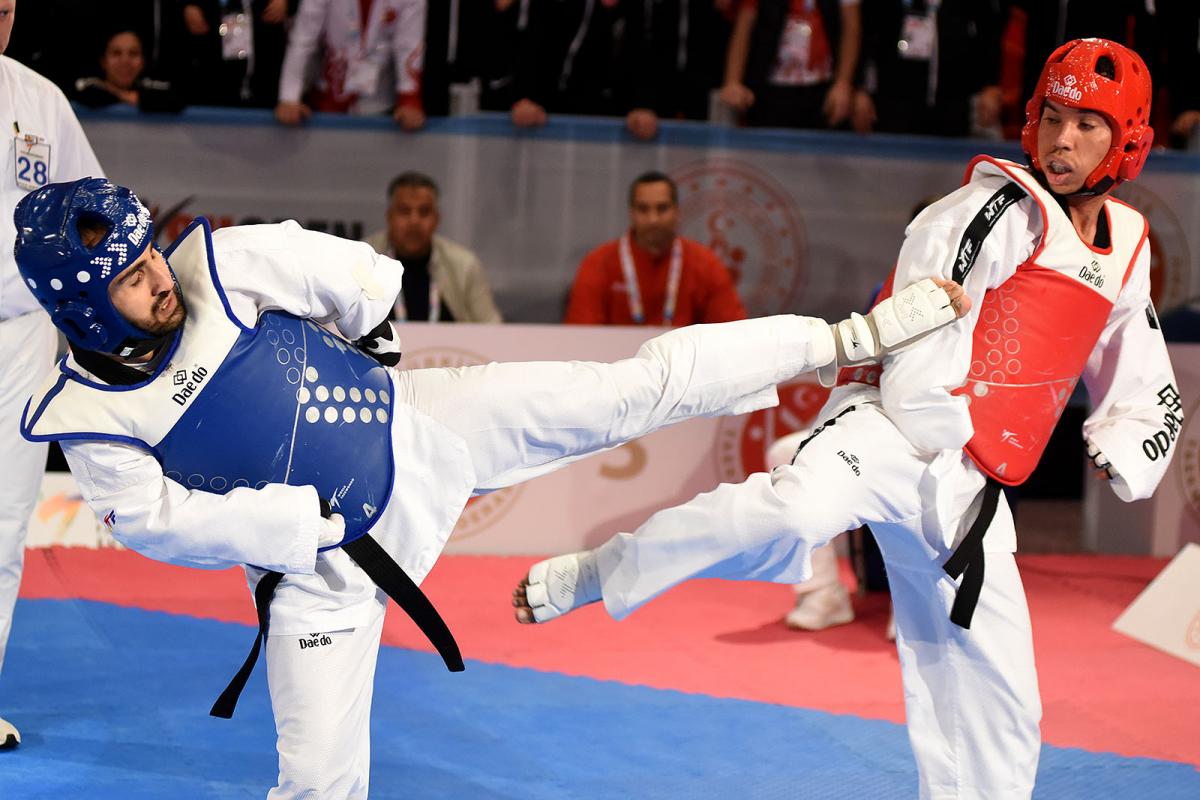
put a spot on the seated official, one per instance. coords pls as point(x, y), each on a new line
point(443, 281)
point(652, 275)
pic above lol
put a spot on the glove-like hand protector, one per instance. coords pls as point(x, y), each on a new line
point(899, 320)
point(382, 344)
point(1099, 460)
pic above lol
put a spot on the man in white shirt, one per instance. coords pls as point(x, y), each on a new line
point(46, 145)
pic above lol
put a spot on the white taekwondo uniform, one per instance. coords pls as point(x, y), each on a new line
point(897, 457)
point(46, 145)
point(453, 432)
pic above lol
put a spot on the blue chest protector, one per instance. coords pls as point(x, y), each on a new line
point(231, 406)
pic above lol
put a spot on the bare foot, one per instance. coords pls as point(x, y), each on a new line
point(523, 613)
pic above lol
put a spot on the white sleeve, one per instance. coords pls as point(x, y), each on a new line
point(1137, 412)
point(312, 275)
point(74, 159)
point(303, 41)
point(275, 527)
point(408, 46)
point(916, 382)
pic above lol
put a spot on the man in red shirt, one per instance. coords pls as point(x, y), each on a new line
point(651, 275)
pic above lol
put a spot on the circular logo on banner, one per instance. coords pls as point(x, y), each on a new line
point(483, 511)
point(1170, 257)
point(753, 225)
point(1192, 638)
point(742, 442)
point(1188, 464)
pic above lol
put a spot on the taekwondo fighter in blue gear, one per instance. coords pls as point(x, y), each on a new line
point(213, 421)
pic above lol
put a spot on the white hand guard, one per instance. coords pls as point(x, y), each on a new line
point(1099, 460)
point(899, 320)
point(382, 344)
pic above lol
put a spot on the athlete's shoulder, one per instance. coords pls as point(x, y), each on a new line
point(30, 81)
point(993, 196)
point(601, 255)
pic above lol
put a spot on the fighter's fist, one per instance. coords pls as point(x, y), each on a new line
point(1100, 463)
point(382, 344)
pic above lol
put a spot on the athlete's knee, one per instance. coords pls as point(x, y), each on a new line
point(807, 511)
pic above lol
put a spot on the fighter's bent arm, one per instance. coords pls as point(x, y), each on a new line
point(276, 527)
point(1138, 413)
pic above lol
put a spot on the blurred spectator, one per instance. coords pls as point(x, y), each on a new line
point(236, 48)
point(1052, 24)
point(456, 39)
point(651, 275)
point(667, 65)
point(924, 61)
point(1180, 26)
point(443, 281)
point(372, 52)
point(63, 51)
point(791, 63)
point(552, 56)
point(121, 79)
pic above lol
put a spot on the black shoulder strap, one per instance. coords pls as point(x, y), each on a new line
point(981, 226)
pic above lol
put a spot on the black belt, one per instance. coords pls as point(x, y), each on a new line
point(387, 575)
point(967, 559)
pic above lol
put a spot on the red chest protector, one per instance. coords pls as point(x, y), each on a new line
point(1036, 330)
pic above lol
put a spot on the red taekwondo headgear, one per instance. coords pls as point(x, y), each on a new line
point(1070, 79)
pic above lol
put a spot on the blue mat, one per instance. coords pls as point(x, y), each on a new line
point(113, 703)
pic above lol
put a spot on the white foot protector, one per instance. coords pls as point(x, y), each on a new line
point(10, 737)
point(561, 584)
point(908, 315)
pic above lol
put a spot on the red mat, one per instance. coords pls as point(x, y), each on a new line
point(1101, 691)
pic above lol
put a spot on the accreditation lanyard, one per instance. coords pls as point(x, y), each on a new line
point(435, 297)
point(636, 310)
point(435, 305)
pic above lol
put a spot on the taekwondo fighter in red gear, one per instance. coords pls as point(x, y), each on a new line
point(918, 449)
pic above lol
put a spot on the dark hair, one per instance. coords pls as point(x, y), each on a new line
point(1106, 68)
point(92, 230)
point(654, 176)
point(411, 180)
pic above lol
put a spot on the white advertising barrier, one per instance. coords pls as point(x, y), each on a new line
point(1170, 519)
point(808, 222)
point(580, 505)
point(1166, 614)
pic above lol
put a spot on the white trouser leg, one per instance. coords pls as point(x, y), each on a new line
point(321, 697)
point(971, 696)
point(521, 420)
point(26, 354)
point(824, 570)
point(855, 470)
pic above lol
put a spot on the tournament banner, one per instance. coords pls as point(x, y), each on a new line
point(807, 222)
point(580, 505)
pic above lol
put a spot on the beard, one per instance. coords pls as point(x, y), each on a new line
point(162, 326)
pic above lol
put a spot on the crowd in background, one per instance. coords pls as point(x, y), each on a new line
point(941, 67)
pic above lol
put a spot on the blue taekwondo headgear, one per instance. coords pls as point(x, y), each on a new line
point(71, 280)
